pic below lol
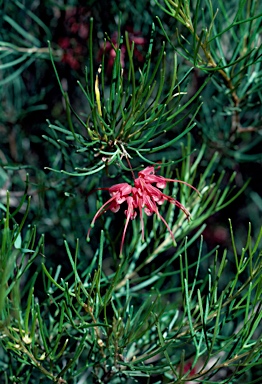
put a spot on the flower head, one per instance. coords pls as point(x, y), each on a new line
point(143, 196)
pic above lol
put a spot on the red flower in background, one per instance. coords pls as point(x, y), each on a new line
point(109, 49)
point(75, 34)
point(143, 196)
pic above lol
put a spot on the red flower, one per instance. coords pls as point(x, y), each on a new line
point(143, 196)
point(118, 193)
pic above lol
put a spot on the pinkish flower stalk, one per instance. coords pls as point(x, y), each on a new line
point(143, 196)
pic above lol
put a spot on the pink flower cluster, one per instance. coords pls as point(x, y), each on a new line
point(143, 196)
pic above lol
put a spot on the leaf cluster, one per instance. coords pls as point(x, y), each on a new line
point(126, 118)
point(223, 41)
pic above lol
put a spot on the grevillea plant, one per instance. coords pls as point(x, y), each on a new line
point(118, 263)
